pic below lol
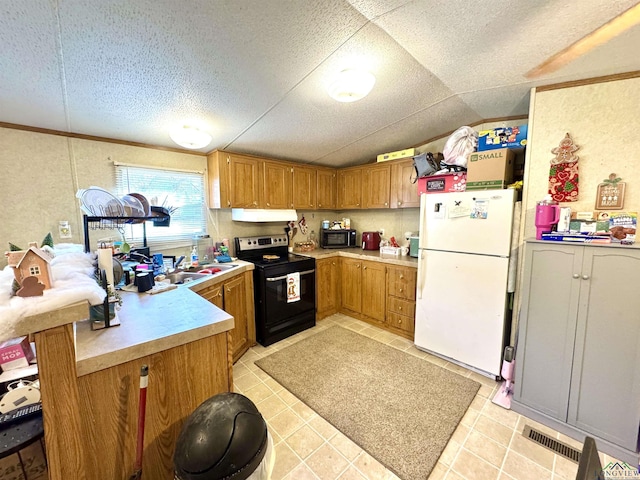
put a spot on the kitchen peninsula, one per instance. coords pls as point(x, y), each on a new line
point(90, 380)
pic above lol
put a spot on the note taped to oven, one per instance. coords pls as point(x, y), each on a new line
point(293, 287)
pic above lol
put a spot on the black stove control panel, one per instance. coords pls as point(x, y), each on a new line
point(258, 243)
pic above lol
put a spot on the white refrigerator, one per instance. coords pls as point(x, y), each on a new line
point(463, 269)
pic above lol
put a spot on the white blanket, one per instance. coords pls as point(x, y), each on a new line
point(73, 281)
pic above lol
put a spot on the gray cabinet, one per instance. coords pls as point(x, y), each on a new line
point(578, 355)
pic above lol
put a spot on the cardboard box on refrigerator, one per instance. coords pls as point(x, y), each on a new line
point(490, 169)
point(445, 183)
point(503, 137)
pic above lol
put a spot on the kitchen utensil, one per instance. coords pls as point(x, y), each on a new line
point(96, 201)
point(145, 203)
point(132, 206)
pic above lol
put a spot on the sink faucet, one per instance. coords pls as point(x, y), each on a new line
point(178, 262)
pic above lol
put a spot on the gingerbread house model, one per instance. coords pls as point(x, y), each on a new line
point(33, 262)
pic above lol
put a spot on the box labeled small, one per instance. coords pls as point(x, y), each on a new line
point(505, 137)
point(446, 183)
point(15, 353)
point(489, 170)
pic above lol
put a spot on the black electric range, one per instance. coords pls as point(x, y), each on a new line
point(284, 287)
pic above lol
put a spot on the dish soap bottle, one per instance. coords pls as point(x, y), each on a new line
point(194, 256)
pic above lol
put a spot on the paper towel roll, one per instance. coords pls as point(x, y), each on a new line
point(105, 262)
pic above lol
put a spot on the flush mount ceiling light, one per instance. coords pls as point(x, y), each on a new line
point(351, 85)
point(191, 137)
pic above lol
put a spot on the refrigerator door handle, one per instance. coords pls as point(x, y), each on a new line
point(421, 273)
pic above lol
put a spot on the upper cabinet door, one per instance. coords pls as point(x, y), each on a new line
point(404, 194)
point(327, 188)
point(233, 180)
point(350, 188)
point(376, 186)
point(304, 187)
point(277, 191)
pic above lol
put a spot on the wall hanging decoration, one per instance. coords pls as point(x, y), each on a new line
point(610, 194)
point(563, 174)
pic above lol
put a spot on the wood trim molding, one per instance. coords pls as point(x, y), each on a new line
point(589, 81)
point(81, 136)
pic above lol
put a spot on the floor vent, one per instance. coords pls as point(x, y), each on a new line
point(552, 444)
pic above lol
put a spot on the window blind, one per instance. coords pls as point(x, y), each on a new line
point(182, 192)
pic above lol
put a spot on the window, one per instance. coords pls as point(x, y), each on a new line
point(180, 191)
point(34, 270)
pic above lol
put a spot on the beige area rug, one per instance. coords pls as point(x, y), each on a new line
point(401, 409)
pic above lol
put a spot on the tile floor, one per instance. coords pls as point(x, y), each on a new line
point(486, 445)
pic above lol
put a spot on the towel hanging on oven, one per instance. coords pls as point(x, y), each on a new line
point(293, 287)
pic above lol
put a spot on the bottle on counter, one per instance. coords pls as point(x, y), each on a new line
point(194, 256)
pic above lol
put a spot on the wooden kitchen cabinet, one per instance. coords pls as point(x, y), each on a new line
point(304, 187)
point(327, 287)
point(579, 341)
point(351, 273)
point(376, 185)
point(350, 188)
point(363, 289)
point(327, 189)
point(235, 296)
point(234, 180)
point(404, 194)
point(401, 300)
point(373, 290)
point(277, 185)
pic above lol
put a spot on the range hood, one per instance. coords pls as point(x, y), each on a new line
point(263, 215)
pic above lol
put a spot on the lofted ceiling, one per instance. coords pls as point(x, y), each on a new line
point(254, 72)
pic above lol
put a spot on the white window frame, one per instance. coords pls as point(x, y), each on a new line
point(182, 190)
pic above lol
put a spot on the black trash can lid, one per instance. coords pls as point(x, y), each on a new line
point(224, 438)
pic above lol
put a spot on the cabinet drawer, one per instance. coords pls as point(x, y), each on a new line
point(402, 282)
point(400, 321)
point(401, 306)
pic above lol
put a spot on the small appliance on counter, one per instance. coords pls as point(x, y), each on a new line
point(334, 238)
point(371, 240)
point(414, 245)
point(547, 216)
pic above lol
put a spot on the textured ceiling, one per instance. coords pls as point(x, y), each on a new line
point(254, 72)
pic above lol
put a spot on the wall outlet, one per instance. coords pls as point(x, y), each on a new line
point(381, 230)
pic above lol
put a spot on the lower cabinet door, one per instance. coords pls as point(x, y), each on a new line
point(605, 384)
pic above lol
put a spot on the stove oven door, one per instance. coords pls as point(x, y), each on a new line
point(276, 318)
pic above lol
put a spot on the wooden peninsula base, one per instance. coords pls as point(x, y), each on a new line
point(90, 381)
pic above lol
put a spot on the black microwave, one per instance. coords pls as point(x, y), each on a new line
point(330, 238)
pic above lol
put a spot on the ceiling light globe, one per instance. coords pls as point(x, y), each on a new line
point(351, 85)
point(190, 137)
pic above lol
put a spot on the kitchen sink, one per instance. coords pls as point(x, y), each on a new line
point(181, 278)
point(186, 277)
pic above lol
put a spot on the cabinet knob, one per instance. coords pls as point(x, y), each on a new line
point(268, 204)
point(386, 203)
point(399, 322)
point(576, 275)
point(400, 290)
point(333, 263)
point(399, 308)
point(319, 205)
point(357, 204)
point(585, 277)
point(399, 203)
point(401, 276)
point(255, 202)
point(364, 268)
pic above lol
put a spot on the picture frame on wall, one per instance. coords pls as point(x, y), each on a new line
point(610, 194)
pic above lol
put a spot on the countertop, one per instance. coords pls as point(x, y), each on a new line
point(373, 255)
point(153, 323)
